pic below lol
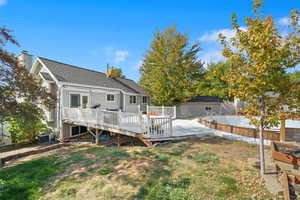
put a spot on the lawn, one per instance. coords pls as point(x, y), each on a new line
point(210, 168)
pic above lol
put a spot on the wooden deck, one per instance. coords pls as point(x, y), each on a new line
point(151, 128)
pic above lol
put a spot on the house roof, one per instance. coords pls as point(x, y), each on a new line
point(206, 99)
point(46, 76)
point(77, 75)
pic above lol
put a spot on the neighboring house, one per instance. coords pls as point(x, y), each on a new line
point(204, 106)
point(77, 87)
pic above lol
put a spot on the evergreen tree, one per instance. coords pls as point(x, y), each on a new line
point(171, 69)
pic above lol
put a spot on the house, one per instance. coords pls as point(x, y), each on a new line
point(204, 106)
point(83, 89)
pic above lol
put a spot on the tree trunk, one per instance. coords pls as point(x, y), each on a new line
point(97, 136)
point(261, 135)
point(261, 147)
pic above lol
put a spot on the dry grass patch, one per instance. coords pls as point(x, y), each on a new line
point(209, 168)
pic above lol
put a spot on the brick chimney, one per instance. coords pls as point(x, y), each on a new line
point(26, 59)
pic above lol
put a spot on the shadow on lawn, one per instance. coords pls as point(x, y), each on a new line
point(27, 180)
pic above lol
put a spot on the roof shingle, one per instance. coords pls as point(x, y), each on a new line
point(73, 74)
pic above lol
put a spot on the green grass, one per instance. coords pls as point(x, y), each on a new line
point(188, 170)
point(106, 170)
point(206, 157)
point(24, 181)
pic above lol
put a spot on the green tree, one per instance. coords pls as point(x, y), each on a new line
point(21, 94)
point(16, 83)
point(25, 128)
point(119, 72)
point(295, 76)
point(171, 69)
point(259, 58)
point(213, 83)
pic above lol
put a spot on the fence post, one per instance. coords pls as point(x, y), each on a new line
point(140, 120)
point(171, 126)
point(163, 110)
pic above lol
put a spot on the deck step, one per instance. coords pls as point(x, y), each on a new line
point(145, 141)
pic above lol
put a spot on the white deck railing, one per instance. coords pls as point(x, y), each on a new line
point(162, 111)
point(149, 126)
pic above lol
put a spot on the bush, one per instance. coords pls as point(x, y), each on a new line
point(25, 128)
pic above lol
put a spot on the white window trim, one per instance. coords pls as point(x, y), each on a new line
point(135, 99)
point(110, 94)
point(80, 98)
point(143, 100)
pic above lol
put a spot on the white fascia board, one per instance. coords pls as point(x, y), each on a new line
point(97, 87)
point(54, 78)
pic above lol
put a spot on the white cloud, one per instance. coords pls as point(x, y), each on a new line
point(213, 36)
point(214, 55)
point(120, 56)
point(284, 21)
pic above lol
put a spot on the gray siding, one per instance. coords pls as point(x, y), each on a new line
point(129, 107)
point(95, 97)
point(197, 109)
point(66, 130)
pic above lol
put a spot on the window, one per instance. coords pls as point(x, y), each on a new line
point(84, 101)
point(132, 99)
point(75, 100)
point(77, 130)
point(110, 97)
point(145, 100)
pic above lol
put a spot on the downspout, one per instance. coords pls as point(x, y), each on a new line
point(59, 118)
point(124, 102)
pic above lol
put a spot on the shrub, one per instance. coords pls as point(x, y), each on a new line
point(25, 128)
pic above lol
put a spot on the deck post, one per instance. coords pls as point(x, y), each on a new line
point(175, 112)
point(97, 136)
point(163, 110)
point(118, 140)
point(148, 124)
point(97, 117)
point(140, 120)
point(119, 118)
point(171, 126)
point(282, 131)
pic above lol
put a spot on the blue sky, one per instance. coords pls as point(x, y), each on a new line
point(93, 33)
